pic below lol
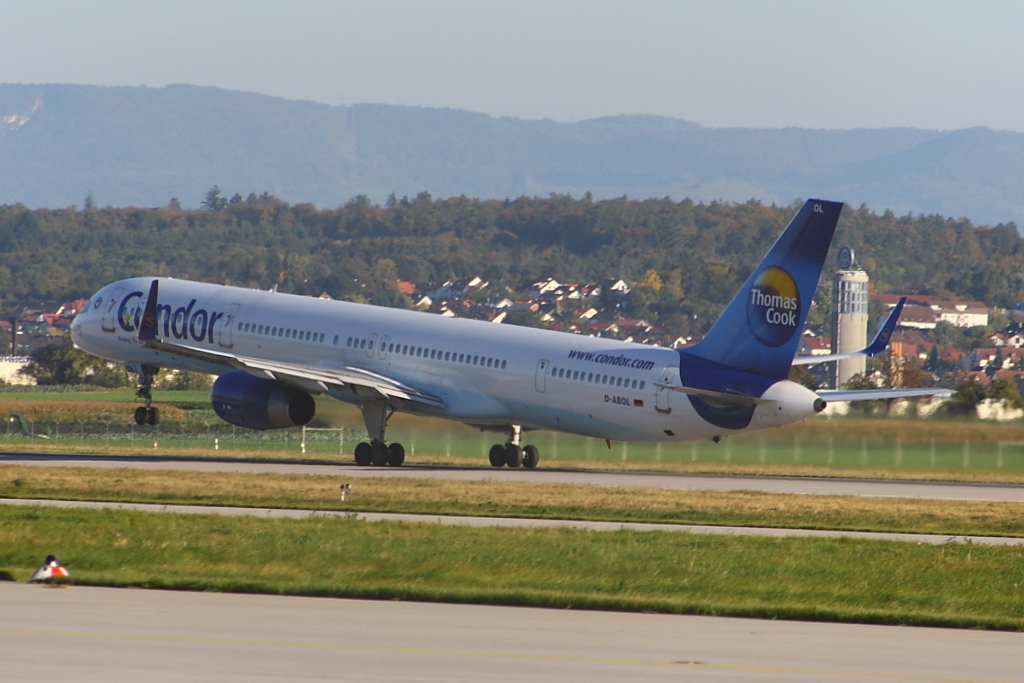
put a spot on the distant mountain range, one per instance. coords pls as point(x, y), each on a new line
point(142, 146)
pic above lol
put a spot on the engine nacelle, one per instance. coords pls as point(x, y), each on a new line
point(256, 403)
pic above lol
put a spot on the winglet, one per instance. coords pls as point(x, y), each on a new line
point(881, 339)
point(147, 327)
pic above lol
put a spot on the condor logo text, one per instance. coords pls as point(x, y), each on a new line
point(183, 322)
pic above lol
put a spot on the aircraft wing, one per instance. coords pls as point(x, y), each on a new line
point(876, 346)
point(314, 379)
point(839, 395)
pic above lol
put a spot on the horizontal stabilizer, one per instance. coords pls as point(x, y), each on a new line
point(719, 398)
point(841, 395)
point(877, 345)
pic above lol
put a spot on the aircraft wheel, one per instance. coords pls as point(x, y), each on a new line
point(379, 454)
point(513, 455)
point(531, 456)
point(153, 416)
point(396, 454)
point(497, 455)
point(140, 416)
point(364, 454)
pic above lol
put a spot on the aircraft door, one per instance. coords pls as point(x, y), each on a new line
point(369, 345)
point(662, 401)
point(227, 324)
point(383, 352)
point(540, 382)
point(110, 312)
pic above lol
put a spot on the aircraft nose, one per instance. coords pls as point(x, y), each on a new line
point(79, 325)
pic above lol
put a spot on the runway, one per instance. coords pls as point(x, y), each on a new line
point(108, 635)
point(521, 522)
point(542, 475)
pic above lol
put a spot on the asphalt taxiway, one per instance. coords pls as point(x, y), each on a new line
point(109, 635)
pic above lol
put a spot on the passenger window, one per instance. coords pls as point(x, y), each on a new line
point(419, 351)
point(447, 354)
point(335, 338)
point(405, 350)
point(618, 382)
point(362, 343)
point(432, 352)
point(489, 361)
point(634, 384)
point(503, 364)
point(370, 346)
point(462, 357)
point(575, 373)
point(641, 385)
point(321, 337)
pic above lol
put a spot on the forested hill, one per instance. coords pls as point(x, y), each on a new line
point(701, 252)
point(142, 146)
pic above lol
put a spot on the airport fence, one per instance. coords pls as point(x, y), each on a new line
point(462, 443)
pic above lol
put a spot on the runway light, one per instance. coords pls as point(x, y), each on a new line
point(51, 569)
point(346, 489)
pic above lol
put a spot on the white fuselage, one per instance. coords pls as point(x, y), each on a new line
point(485, 374)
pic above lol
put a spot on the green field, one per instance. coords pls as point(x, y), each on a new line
point(817, 579)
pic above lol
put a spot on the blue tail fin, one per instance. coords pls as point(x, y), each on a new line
point(761, 327)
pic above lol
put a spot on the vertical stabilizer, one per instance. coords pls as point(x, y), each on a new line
point(761, 327)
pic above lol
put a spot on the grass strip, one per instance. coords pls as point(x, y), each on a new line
point(849, 580)
point(516, 499)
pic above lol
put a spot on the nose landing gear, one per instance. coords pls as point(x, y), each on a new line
point(513, 453)
point(147, 415)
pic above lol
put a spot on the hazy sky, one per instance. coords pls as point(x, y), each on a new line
point(936, 64)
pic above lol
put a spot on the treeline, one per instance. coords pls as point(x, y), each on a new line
point(687, 259)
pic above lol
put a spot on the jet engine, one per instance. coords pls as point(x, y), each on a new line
point(256, 403)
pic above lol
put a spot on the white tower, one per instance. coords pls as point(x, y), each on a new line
point(849, 317)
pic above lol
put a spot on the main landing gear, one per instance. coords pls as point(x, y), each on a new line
point(376, 413)
point(513, 453)
point(147, 415)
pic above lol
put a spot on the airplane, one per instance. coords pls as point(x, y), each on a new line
point(273, 352)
